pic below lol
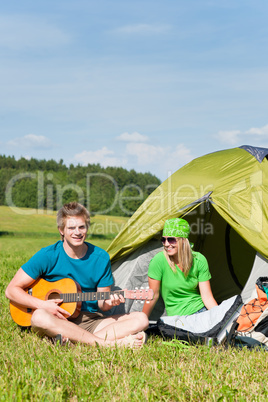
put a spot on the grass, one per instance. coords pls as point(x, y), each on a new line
point(39, 230)
point(35, 370)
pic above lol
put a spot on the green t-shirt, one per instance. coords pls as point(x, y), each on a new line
point(181, 295)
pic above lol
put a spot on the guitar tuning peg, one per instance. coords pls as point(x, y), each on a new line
point(141, 287)
point(147, 301)
point(136, 288)
point(147, 287)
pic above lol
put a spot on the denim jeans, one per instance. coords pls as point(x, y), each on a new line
point(201, 310)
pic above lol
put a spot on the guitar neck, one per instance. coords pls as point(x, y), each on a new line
point(88, 296)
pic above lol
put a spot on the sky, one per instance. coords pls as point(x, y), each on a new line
point(141, 84)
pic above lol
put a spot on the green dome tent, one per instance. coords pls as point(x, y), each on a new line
point(224, 197)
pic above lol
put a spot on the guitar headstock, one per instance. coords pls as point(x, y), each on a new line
point(139, 294)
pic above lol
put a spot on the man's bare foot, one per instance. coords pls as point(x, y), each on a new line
point(135, 341)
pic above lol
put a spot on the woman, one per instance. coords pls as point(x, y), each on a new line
point(180, 274)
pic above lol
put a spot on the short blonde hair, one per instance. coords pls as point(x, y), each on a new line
point(72, 209)
point(185, 256)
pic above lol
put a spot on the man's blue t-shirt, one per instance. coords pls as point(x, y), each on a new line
point(92, 271)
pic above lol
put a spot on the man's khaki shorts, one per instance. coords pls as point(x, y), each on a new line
point(88, 321)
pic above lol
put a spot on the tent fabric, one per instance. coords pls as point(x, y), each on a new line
point(224, 197)
point(238, 188)
point(224, 249)
point(259, 153)
point(260, 268)
point(131, 272)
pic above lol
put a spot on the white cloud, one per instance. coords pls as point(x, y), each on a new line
point(167, 157)
point(31, 141)
point(19, 32)
point(162, 160)
point(181, 155)
point(141, 29)
point(175, 159)
point(134, 137)
point(104, 156)
point(235, 137)
point(258, 131)
point(229, 137)
point(146, 153)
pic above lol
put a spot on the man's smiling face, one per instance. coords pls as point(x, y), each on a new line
point(75, 231)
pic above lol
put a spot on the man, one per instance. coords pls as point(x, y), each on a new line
point(90, 266)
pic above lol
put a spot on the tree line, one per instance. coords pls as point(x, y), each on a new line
point(48, 184)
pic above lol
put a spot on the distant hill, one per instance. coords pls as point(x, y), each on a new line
point(49, 184)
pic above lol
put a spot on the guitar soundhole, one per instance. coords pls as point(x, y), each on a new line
point(53, 295)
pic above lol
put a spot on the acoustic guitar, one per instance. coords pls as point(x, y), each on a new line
point(71, 295)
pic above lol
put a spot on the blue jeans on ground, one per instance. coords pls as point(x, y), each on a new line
point(201, 310)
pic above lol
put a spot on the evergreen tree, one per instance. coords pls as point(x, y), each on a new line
point(48, 184)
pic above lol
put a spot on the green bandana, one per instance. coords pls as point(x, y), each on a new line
point(176, 227)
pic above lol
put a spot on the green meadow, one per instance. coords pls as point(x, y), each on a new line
point(33, 369)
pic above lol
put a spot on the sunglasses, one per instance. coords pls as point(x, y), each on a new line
point(170, 240)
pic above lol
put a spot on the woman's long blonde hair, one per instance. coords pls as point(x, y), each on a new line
point(185, 256)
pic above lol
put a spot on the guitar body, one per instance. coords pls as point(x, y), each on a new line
point(71, 295)
point(44, 290)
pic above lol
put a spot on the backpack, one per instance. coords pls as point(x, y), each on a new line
point(251, 327)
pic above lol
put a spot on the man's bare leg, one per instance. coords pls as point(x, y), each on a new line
point(119, 326)
point(45, 323)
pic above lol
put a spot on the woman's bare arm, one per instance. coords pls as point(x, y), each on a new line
point(206, 294)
